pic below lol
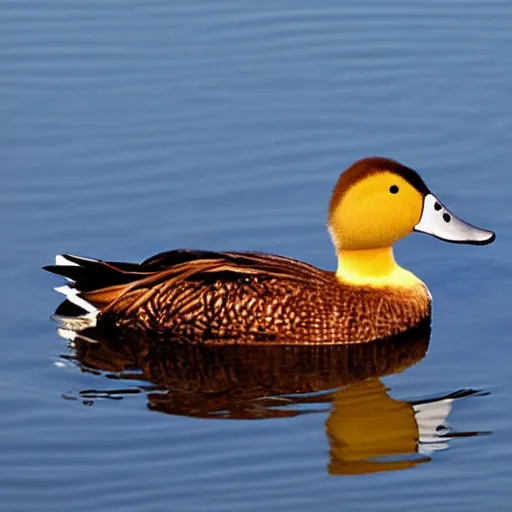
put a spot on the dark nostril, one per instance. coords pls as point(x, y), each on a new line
point(446, 217)
point(437, 206)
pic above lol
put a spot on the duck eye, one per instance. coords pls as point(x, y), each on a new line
point(393, 189)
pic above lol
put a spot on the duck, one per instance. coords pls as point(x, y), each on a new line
point(201, 296)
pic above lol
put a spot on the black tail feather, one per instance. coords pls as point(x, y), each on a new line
point(89, 275)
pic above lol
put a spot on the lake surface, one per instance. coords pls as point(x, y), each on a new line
point(129, 128)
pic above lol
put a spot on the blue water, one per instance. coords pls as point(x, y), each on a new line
point(129, 128)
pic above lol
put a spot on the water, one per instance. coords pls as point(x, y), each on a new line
point(129, 128)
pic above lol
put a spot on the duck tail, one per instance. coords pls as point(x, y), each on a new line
point(92, 283)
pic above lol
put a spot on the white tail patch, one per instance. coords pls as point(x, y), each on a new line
point(62, 261)
point(72, 295)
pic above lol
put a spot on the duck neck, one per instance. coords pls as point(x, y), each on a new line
point(374, 267)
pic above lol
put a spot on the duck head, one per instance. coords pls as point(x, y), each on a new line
point(378, 201)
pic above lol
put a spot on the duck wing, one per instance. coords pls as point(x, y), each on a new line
point(123, 286)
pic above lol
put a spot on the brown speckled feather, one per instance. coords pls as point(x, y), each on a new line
point(241, 297)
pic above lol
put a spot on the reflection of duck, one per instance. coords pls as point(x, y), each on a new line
point(275, 381)
point(251, 297)
point(211, 378)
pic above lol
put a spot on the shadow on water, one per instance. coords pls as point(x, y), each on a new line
point(367, 429)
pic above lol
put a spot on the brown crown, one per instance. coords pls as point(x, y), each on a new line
point(367, 166)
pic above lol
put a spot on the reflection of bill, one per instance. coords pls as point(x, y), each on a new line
point(431, 419)
point(368, 430)
point(431, 416)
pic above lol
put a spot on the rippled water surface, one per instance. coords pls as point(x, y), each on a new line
point(132, 127)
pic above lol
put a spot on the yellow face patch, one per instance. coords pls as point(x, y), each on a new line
point(375, 212)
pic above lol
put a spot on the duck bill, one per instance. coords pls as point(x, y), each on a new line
point(437, 221)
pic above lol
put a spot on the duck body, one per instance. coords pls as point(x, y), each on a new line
point(242, 297)
point(248, 297)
